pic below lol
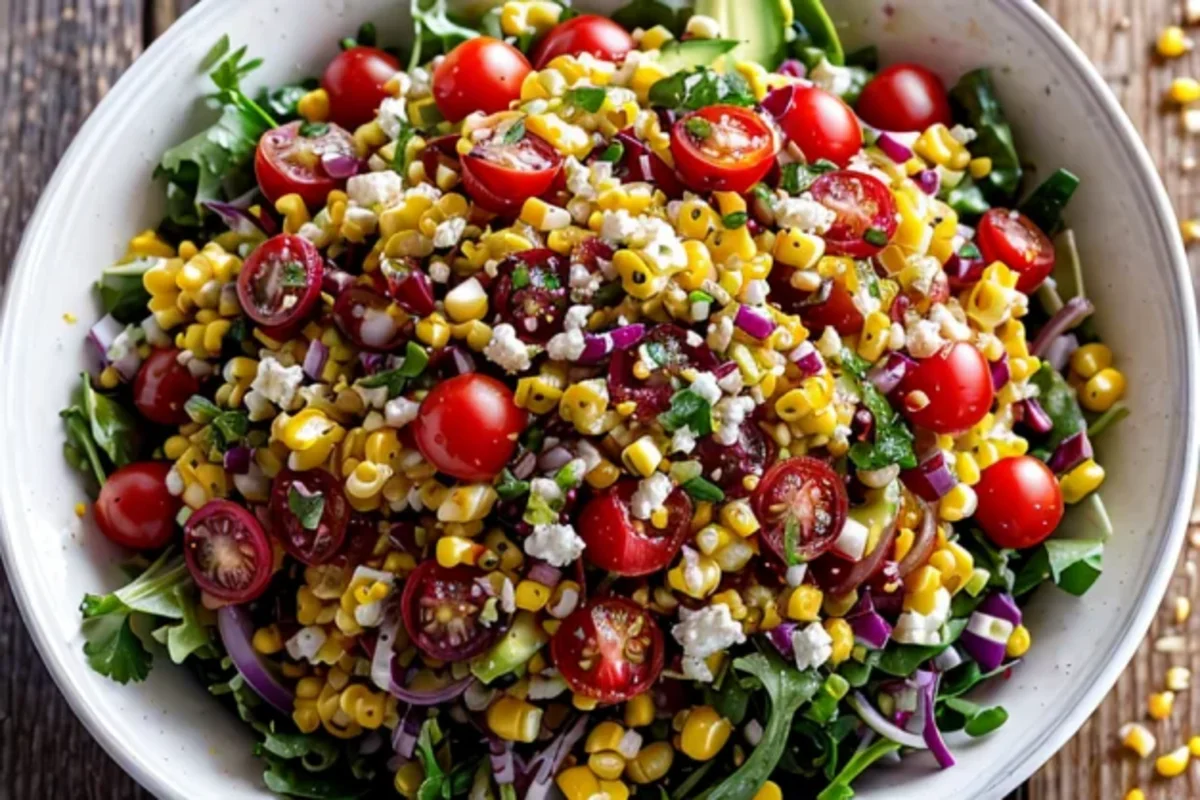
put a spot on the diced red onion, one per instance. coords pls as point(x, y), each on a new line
point(545, 765)
point(1001, 373)
point(947, 660)
point(500, 753)
point(237, 460)
point(778, 101)
point(315, 359)
point(525, 465)
point(931, 734)
point(893, 148)
point(450, 691)
point(781, 637)
point(596, 346)
point(238, 220)
point(372, 362)
point(871, 629)
point(880, 724)
point(987, 653)
point(340, 166)
point(1058, 352)
point(554, 458)
point(962, 273)
point(335, 281)
point(1070, 453)
point(414, 293)
point(1073, 312)
point(807, 360)
point(128, 365)
point(627, 336)
point(755, 323)
point(103, 334)
point(1030, 412)
point(793, 68)
point(1002, 605)
point(385, 643)
point(929, 181)
point(237, 629)
point(404, 737)
point(887, 376)
point(545, 574)
point(464, 362)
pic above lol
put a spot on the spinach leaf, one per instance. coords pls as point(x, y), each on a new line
point(589, 98)
point(688, 409)
point(1058, 399)
point(282, 102)
point(121, 291)
point(966, 199)
point(113, 427)
point(731, 702)
point(798, 178)
point(955, 714)
point(1073, 565)
point(789, 689)
point(902, 660)
point(814, 28)
point(188, 635)
point(976, 105)
point(80, 448)
point(893, 439)
point(699, 88)
point(1046, 204)
point(645, 14)
point(281, 777)
point(839, 787)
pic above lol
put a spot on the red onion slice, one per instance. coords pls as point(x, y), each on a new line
point(893, 148)
point(931, 480)
point(1070, 453)
point(1073, 312)
point(1034, 416)
point(545, 574)
point(315, 359)
point(1001, 373)
point(754, 322)
point(237, 629)
point(340, 166)
point(887, 376)
point(929, 181)
point(237, 460)
point(922, 545)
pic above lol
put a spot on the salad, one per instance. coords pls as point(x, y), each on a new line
point(666, 406)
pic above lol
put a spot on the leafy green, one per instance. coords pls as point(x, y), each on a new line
point(645, 14)
point(816, 29)
point(515, 133)
point(111, 646)
point(688, 410)
point(283, 778)
point(735, 219)
point(700, 88)
point(415, 362)
point(1045, 205)
point(438, 784)
point(225, 427)
point(1058, 399)
point(187, 636)
point(732, 701)
point(976, 104)
point(283, 102)
point(400, 156)
point(435, 31)
point(539, 511)
point(80, 449)
point(893, 440)
point(957, 713)
point(798, 178)
point(902, 660)
point(613, 153)
point(703, 490)
point(308, 508)
point(589, 98)
point(114, 428)
point(789, 689)
point(121, 291)
point(839, 787)
point(791, 540)
point(854, 364)
point(966, 199)
point(1073, 564)
point(1115, 414)
point(508, 487)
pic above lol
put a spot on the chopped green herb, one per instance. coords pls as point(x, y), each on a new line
point(876, 237)
point(295, 276)
point(314, 130)
point(515, 133)
point(799, 178)
point(508, 487)
point(589, 98)
point(791, 540)
point(702, 87)
point(415, 361)
point(969, 251)
point(520, 278)
point(698, 127)
point(735, 219)
point(688, 410)
point(703, 490)
point(613, 153)
point(308, 508)
point(698, 296)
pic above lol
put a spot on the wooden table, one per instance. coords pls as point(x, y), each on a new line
point(59, 57)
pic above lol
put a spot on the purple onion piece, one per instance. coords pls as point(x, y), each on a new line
point(887, 376)
point(315, 359)
point(464, 362)
point(1001, 374)
point(807, 359)
point(238, 220)
point(596, 347)
point(404, 738)
point(340, 166)
point(1035, 417)
point(525, 466)
point(450, 691)
point(1059, 352)
point(778, 101)
point(554, 458)
point(929, 181)
point(930, 480)
point(237, 460)
point(755, 323)
point(988, 654)
point(500, 753)
point(929, 730)
point(724, 370)
point(372, 362)
point(781, 637)
point(1070, 453)
point(871, 629)
point(1073, 312)
point(103, 334)
point(1003, 606)
point(627, 336)
point(545, 574)
point(792, 68)
point(236, 629)
point(893, 148)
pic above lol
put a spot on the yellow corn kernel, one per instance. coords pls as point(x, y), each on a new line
point(1189, 229)
point(1135, 794)
point(538, 395)
point(704, 733)
point(921, 587)
point(433, 330)
point(843, 639)
point(531, 595)
point(607, 765)
point(409, 778)
point(1018, 642)
point(605, 736)
point(1160, 704)
point(514, 720)
point(1174, 763)
point(804, 604)
point(467, 503)
point(980, 168)
point(639, 710)
point(1183, 610)
point(1194, 746)
point(605, 474)
point(1090, 359)
point(1184, 91)
point(467, 301)
point(1081, 481)
point(699, 268)
point(645, 75)
point(696, 219)
point(1173, 42)
point(937, 145)
point(1178, 679)
point(652, 762)
point(874, 337)
point(958, 504)
point(698, 578)
point(314, 106)
point(739, 518)
point(642, 457)
point(543, 216)
point(1102, 390)
point(454, 550)
point(726, 245)
point(769, 791)
point(1137, 738)
point(578, 783)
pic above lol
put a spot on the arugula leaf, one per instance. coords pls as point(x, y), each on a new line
point(282, 778)
point(798, 178)
point(1045, 205)
point(688, 409)
point(975, 103)
point(703, 490)
point(434, 31)
point(121, 291)
point(80, 448)
point(1059, 401)
point(589, 98)
point(114, 429)
point(902, 660)
point(699, 88)
point(414, 364)
point(308, 508)
point(189, 635)
point(788, 689)
point(508, 487)
point(1073, 564)
point(893, 439)
point(839, 787)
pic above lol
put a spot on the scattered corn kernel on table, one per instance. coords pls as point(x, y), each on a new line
point(59, 57)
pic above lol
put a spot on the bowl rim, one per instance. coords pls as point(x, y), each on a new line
point(150, 774)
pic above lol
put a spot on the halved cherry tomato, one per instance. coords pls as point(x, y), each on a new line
point(1020, 502)
point(587, 33)
point(135, 509)
point(723, 148)
point(531, 293)
point(801, 501)
point(288, 162)
point(312, 539)
point(1014, 238)
point(441, 608)
point(370, 320)
point(481, 74)
point(905, 97)
point(819, 123)
point(728, 465)
point(281, 280)
point(957, 382)
point(162, 388)
point(608, 650)
point(501, 175)
point(354, 81)
point(831, 307)
point(865, 212)
point(409, 285)
point(468, 427)
point(673, 350)
point(619, 543)
point(227, 552)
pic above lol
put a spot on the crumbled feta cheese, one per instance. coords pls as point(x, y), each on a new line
point(276, 382)
point(375, 397)
point(852, 541)
point(756, 292)
point(306, 643)
point(651, 493)
point(730, 413)
point(663, 247)
point(963, 135)
point(915, 628)
point(566, 346)
point(579, 179)
point(375, 188)
point(805, 214)
point(701, 26)
point(923, 337)
point(732, 383)
point(258, 406)
point(708, 630)
point(362, 218)
point(618, 226)
point(683, 440)
point(695, 669)
point(439, 272)
point(448, 232)
point(834, 79)
point(175, 483)
point(859, 162)
point(557, 545)
point(392, 116)
point(720, 333)
point(506, 350)
point(705, 385)
point(400, 411)
point(812, 646)
point(577, 317)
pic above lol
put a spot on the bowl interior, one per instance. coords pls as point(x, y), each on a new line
point(167, 731)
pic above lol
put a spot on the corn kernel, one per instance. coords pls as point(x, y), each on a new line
point(467, 301)
point(843, 639)
point(578, 783)
point(1135, 794)
point(1089, 359)
point(531, 595)
point(409, 778)
point(704, 733)
point(514, 720)
point(642, 457)
point(652, 762)
point(267, 640)
point(1160, 704)
point(1173, 42)
point(1081, 481)
point(639, 710)
point(1174, 763)
point(1137, 738)
point(607, 765)
point(769, 791)
point(1183, 610)
point(1178, 678)
point(804, 604)
point(1102, 390)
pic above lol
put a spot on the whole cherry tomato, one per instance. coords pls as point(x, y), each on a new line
point(905, 97)
point(587, 33)
point(468, 427)
point(802, 506)
point(135, 509)
point(227, 552)
point(280, 282)
point(354, 81)
point(1020, 502)
point(500, 175)
point(162, 388)
point(955, 386)
point(481, 74)
point(819, 123)
point(1013, 238)
point(723, 148)
point(866, 213)
point(620, 543)
point(289, 161)
point(608, 650)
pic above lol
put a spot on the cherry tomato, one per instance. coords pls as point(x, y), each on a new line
point(369, 319)
point(409, 285)
point(227, 552)
point(500, 176)
point(957, 382)
point(288, 162)
point(1013, 238)
point(311, 530)
point(619, 543)
point(819, 123)
point(354, 81)
point(441, 608)
point(807, 496)
point(587, 33)
point(728, 465)
point(1020, 502)
point(832, 307)
point(865, 212)
point(481, 74)
point(723, 148)
point(531, 293)
point(280, 282)
point(905, 97)
point(608, 650)
point(162, 388)
point(135, 509)
point(673, 350)
point(468, 427)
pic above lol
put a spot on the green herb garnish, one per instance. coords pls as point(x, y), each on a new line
point(308, 508)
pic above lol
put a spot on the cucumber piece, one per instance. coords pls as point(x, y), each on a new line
point(676, 56)
point(879, 512)
point(760, 27)
point(514, 649)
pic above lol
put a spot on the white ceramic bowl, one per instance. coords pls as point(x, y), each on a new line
point(175, 740)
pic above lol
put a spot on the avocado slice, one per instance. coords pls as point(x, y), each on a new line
point(677, 56)
point(524, 638)
point(813, 17)
point(761, 27)
point(879, 512)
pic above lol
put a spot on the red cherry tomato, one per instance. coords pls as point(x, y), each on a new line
point(501, 176)
point(367, 319)
point(1020, 502)
point(675, 351)
point(749, 455)
point(587, 33)
point(481, 74)
point(441, 608)
point(820, 124)
point(135, 509)
point(311, 537)
point(905, 97)
point(807, 496)
point(531, 293)
point(957, 382)
point(468, 427)
point(619, 543)
point(288, 162)
point(832, 307)
point(162, 388)
point(280, 282)
point(723, 148)
point(354, 82)
point(609, 650)
point(1013, 238)
point(227, 552)
point(865, 211)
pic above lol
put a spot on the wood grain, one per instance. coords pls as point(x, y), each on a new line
point(57, 60)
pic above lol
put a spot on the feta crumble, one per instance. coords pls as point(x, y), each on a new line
point(557, 545)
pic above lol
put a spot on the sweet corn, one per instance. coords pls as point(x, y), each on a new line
point(1160, 704)
point(1137, 738)
point(696, 577)
point(1183, 610)
point(639, 711)
point(314, 106)
point(467, 301)
point(543, 216)
point(651, 764)
point(958, 504)
point(642, 457)
point(468, 503)
point(769, 791)
point(1194, 746)
point(578, 783)
point(1081, 481)
point(1135, 794)
point(605, 736)
point(1178, 678)
point(514, 720)
point(804, 604)
point(409, 778)
point(1173, 42)
point(843, 639)
point(738, 517)
point(607, 765)
point(704, 733)
point(531, 595)
point(1102, 390)
point(1174, 763)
